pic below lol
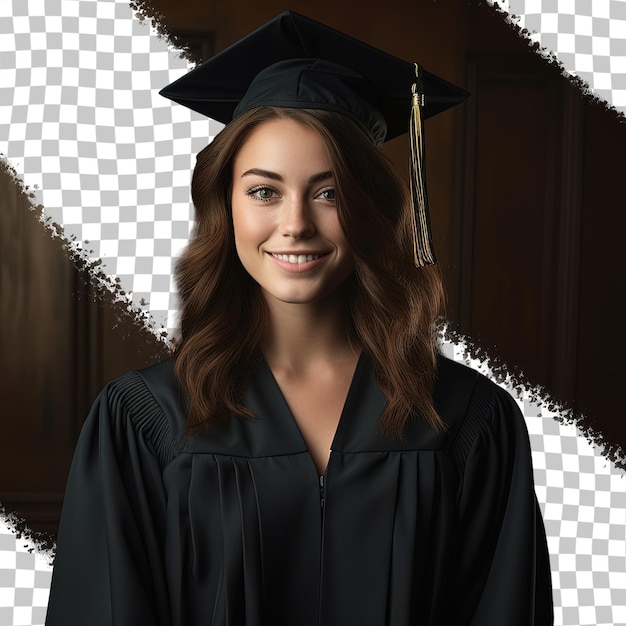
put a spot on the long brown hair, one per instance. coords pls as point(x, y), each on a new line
point(392, 304)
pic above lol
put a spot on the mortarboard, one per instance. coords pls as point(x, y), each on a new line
point(295, 62)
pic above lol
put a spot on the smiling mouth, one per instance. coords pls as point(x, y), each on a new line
point(296, 258)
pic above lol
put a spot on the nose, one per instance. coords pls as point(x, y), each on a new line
point(296, 219)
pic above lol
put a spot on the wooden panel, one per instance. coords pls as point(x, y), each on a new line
point(601, 368)
point(543, 217)
point(37, 355)
point(41, 511)
point(59, 344)
point(565, 293)
point(512, 177)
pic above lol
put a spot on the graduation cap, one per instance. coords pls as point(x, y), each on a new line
point(296, 62)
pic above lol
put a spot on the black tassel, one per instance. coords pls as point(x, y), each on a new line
point(423, 250)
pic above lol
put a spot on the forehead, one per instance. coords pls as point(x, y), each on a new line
point(283, 143)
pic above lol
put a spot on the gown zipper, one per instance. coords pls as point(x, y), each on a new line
point(322, 484)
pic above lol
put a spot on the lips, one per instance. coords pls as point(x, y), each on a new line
point(296, 258)
point(298, 263)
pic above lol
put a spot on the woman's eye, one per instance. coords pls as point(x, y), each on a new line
point(327, 194)
point(261, 193)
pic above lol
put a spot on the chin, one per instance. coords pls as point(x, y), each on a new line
point(302, 297)
point(291, 298)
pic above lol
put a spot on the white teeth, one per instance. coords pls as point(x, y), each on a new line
point(299, 258)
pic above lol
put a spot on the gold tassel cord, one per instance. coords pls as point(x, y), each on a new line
point(423, 250)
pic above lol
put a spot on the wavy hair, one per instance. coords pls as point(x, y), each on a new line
point(392, 304)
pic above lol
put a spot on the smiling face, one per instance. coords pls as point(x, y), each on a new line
point(287, 231)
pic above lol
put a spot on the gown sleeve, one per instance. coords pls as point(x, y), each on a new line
point(109, 567)
point(503, 567)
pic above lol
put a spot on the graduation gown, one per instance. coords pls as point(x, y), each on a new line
point(234, 527)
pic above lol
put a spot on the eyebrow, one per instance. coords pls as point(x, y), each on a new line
point(316, 178)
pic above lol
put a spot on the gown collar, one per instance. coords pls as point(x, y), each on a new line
point(274, 432)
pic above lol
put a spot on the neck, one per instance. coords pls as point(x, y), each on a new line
point(300, 337)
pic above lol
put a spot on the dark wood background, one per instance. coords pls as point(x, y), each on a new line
point(525, 183)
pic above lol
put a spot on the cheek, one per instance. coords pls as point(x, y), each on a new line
point(336, 233)
point(240, 223)
point(250, 231)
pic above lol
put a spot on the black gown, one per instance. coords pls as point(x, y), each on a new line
point(234, 527)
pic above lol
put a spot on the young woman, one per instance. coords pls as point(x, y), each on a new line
point(306, 457)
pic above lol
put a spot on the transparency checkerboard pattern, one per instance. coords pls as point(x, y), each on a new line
point(588, 37)
point(25, 576)
point(111, 163)
point(582, 496)
point(110, 158)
